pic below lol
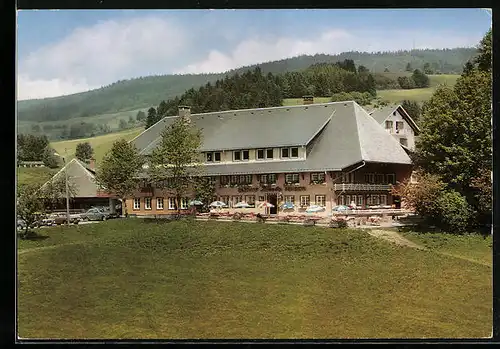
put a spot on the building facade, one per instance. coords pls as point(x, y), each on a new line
point(322, 154)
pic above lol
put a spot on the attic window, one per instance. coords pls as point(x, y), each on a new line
point(394, 113)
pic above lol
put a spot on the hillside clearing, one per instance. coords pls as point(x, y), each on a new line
point(100, 144)
point(135, 278)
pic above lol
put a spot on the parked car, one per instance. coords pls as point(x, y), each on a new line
point(96, 214)
point(60, 218)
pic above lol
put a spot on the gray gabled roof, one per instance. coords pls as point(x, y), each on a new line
point(80, 177)
point(243, 129)
point(381, 114)
point(346, 135)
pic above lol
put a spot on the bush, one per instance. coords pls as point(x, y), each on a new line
point(452, 212)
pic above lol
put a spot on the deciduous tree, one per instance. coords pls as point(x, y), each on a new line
point(29, 207)
point(84, 151)
point(118, 171)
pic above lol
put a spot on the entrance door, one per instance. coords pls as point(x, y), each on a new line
point(272, 198)
point(396, 200)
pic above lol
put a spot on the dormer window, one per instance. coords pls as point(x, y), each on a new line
point(289, 152)
point(241, 155)
point(269, 154)
point(213, 156)
point(399, 125)
point(264, 154)
point(260, 154)
point(388, 125)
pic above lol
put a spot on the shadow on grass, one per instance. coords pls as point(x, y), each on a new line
point(32, 236)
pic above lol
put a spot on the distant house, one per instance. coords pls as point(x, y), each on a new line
point(30, 164)
point(324, 154)
point(396, 121)
point(86, 192)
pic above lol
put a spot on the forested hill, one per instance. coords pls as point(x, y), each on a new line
point(146, 91)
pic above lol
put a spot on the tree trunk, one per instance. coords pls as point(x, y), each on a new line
point(124, 206)
point(178, 199)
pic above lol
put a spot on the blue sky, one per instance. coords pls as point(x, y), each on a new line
point(63, 52)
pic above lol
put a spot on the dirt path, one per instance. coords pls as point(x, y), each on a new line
point(394, 237)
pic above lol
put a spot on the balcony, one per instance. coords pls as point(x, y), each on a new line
point(361, 187)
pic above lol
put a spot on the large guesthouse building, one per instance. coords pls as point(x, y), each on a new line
point(313, 154)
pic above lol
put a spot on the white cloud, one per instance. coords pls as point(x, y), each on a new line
point(101, 54)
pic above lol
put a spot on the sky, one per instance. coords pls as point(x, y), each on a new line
point(61, 52)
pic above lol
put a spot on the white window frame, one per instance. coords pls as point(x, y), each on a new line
point(320, 200)
point(147, 203)
point(359, 201)
point(137, 203)
point(241, 155)
point(184, 203)
point(290, 198)
point(347, 199)
point(281, 153)
point(305, 200)
point(263, 154)
point(234, 155)
point(341, 200)
point(290, 153)
point(171, 203)
point(212, 153)
point(159, 203)
point(209, 155)
point(389, 124)
point(293, 176)
point(272, 152)
point(401, 125)
point(220, 156)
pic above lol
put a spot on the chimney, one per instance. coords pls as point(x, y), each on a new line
point(185, 112)
point(92, 164)
point(308, 99)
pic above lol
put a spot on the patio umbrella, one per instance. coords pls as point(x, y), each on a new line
point(195, 203)
point(288, 205)
point(340, 208)
point(266, 204)
point(241, 204)
point(217, 204)
point(314, 209)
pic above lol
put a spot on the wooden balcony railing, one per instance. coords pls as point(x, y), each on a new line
point(361, 187)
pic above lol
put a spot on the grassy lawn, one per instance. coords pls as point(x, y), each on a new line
point(34, 175)
point(101, 144)
point(142, 279)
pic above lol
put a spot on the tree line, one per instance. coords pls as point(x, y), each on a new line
point(253, 89)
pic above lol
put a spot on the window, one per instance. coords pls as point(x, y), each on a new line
point(294, 152)
point(341, 200)
point(304, 200)
point(291, 178)
point(369, 177)
point(380, 178)
point(213, 156)
point(245, 179)
point(159, 203)
point(171, 203)
point(391, 178)
point(184, 203)
point(260, 154)
point(261, 199)
point(290, 198)
point(360, 200)
point(348, 177)
point(147, 203)
point(236, 199)
point(225, 199)
point(137, 204)
point(234, 179)
point(239, 155)
point(399, 125)
point(269, 153)
point(369, 200)
point(224, 180)
point(320, 200)
point(284, 152)
point(383, 200)
point(318, 177)
point(250, 199)
point(212, 180)
point(348, 199)
point(271, 178)
point(403, 141)
point(388, 125)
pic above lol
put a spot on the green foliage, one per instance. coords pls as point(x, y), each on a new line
point(54, 191)
point(360, 98)
point(420, 79)
point(452, 213)
point(118, 171)
point(29, 207)
point(176, 159)
point(141, 116)
point(204, 191)
point(122, 125)
point(151, 118)
point(49, 159)
point(428, 69)
point(412, 108)
point(484, 60)
point(31, 147)
point(408, 67)
point(406, 82)
point(84, 151)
